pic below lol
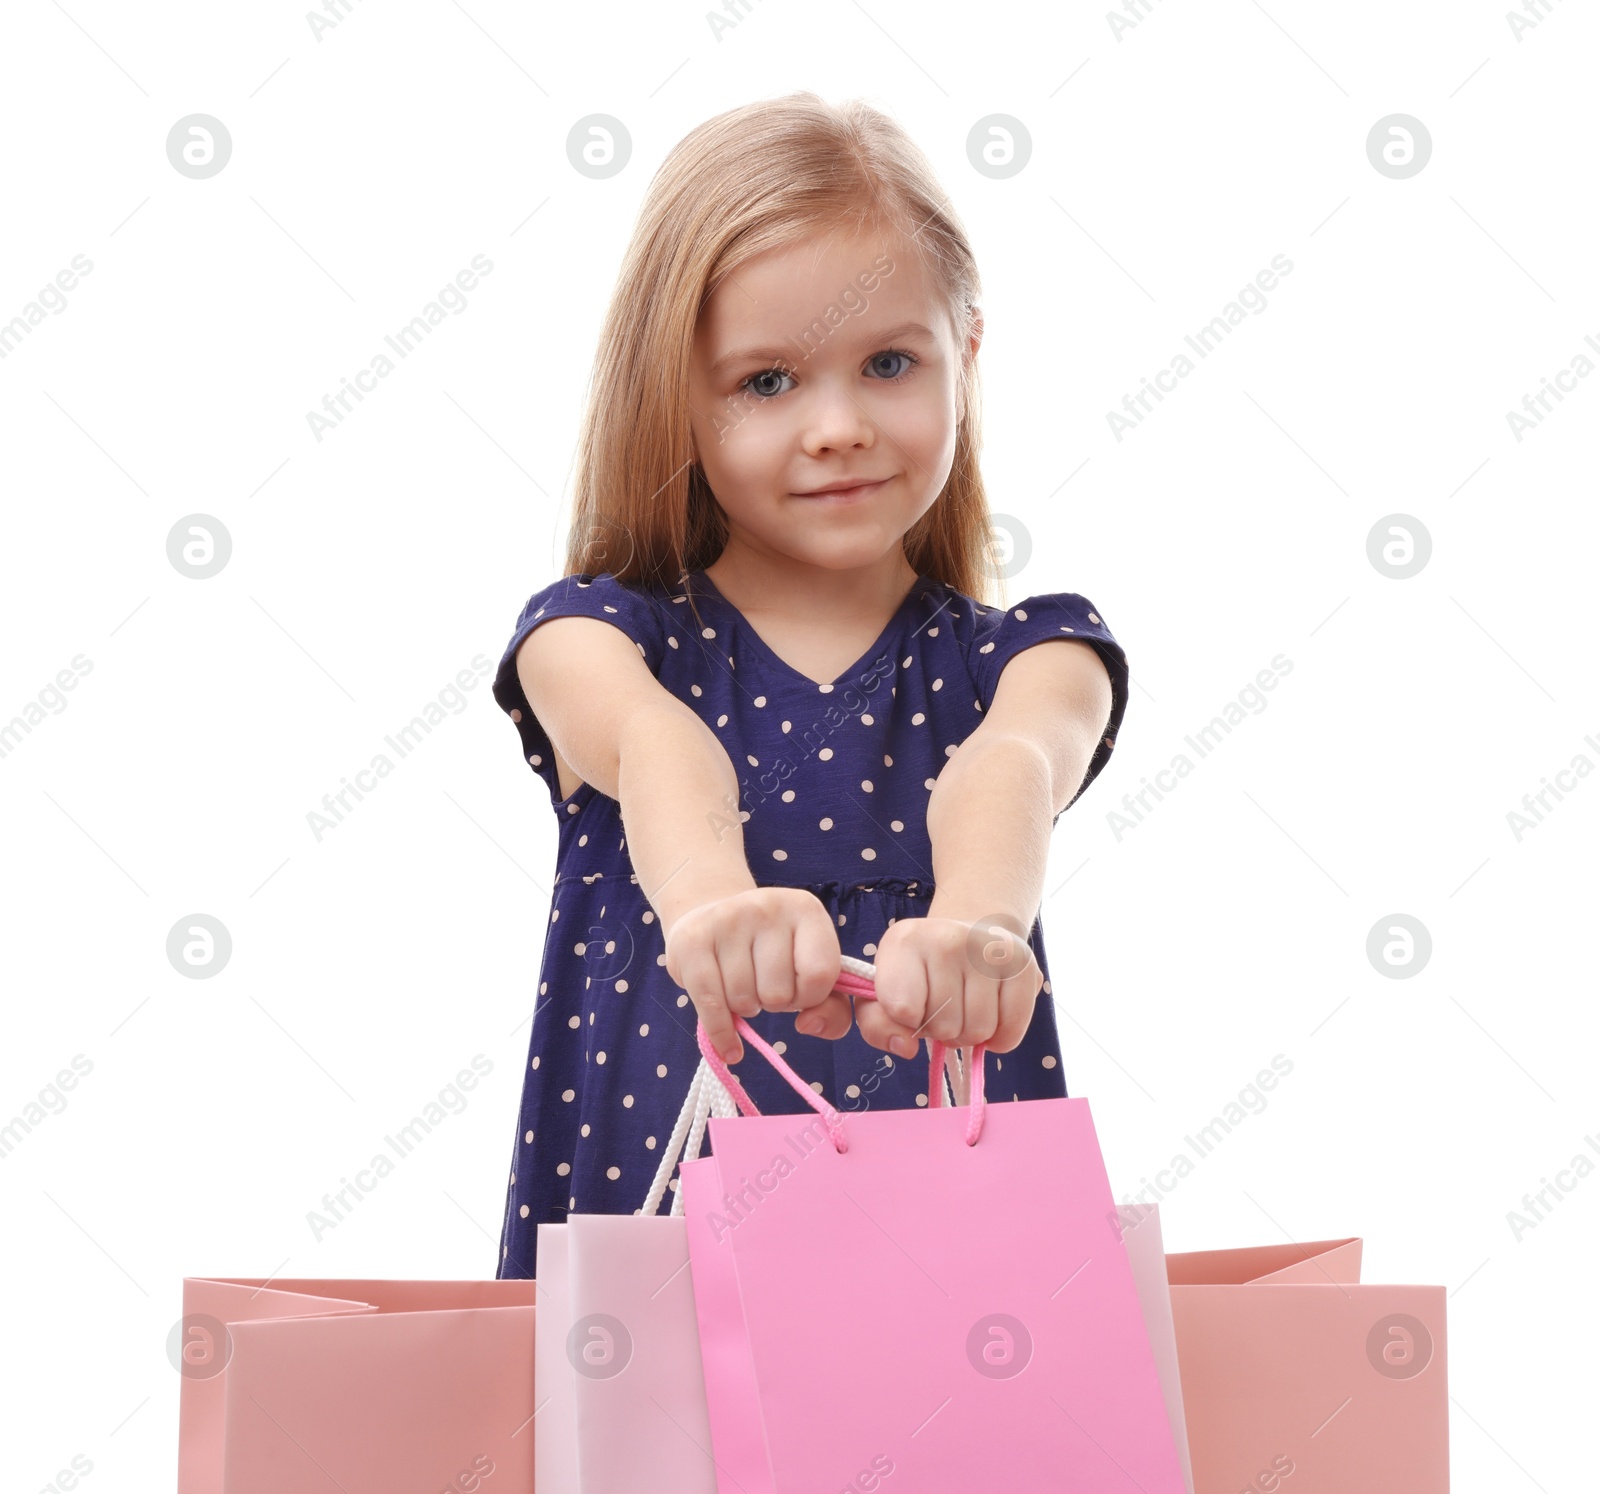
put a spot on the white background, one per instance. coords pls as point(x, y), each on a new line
point(367, 569)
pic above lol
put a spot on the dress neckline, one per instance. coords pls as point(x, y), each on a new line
point(918, 588)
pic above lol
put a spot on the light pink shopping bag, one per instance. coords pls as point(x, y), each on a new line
point(299, 1387)
point(928, 1300)
point(555, 1441)
point(641, 1398)
point(622, 1400)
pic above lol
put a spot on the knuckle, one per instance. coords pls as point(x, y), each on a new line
point(771, 903)
point(816, 975)
point(945, 1021)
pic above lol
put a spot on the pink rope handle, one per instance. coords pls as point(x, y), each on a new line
point(863, 989)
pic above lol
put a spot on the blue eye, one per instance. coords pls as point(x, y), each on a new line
point(758, 384)
point(755, 380)
point(877, 358)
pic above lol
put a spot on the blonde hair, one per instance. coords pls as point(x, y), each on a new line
point(763, 176)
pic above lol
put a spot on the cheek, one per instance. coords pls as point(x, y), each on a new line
point(927, 428)
point(749, 455)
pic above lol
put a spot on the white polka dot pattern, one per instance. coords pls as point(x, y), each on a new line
point(834, 784)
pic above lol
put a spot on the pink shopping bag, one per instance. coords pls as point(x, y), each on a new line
point(1140, 1226)
point(1295, 1374)
point(299, 1387)
point(928, 1300)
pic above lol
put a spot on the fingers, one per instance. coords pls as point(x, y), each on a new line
point(736, 965)
point(766, 949)
point(1019, 981)
point(1017, 998)
point(1001, 989)
point(946, 1018)
point(900, 1013)
point(902, 990)
point(982, 997)
point(815, 962)
point(830, 1018)
point(815, 959)
point(773, 963)
point(882, 1031)
point(702, 980)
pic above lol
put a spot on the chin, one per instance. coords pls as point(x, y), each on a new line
point(852, 554)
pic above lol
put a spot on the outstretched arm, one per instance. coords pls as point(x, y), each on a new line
point(989, 821)
point(735, 948)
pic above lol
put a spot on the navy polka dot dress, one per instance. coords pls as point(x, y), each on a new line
point(835, 779)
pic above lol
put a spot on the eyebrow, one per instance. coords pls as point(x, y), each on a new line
point(889, 334)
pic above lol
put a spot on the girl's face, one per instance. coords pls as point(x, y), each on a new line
point(833, 361)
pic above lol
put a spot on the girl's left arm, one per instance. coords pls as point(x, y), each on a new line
point(990, 816)
point(993, 807)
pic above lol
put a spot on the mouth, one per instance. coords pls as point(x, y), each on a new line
point(844, 495)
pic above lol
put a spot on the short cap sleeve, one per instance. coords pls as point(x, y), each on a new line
point(1001, 634)
point(629, 608)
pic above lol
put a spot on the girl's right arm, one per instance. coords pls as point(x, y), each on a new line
point(734, 947)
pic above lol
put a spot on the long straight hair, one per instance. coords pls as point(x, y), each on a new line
point(760, 177)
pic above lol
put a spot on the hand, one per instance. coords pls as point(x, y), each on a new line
point(761, 949)
point(950, 980)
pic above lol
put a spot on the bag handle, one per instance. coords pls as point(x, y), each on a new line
point(856, 979)
point(706, 1097)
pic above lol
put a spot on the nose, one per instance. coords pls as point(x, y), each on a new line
point(836, 421)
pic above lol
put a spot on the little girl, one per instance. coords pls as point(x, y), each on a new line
point(775, 725)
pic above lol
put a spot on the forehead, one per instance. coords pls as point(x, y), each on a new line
point(878, 276)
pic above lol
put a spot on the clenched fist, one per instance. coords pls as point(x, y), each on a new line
point(769, 949)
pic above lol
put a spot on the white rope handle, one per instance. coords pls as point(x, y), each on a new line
point(674, 1147)
point(706, 1096)
point(957, 1081)
point(714, 1100)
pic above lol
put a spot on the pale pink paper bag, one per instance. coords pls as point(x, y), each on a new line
point(555, 1443)
point(943, 1305)
point(622, 1397)
point(641, 1398)
point(375, 1385)
point(1296, 1374)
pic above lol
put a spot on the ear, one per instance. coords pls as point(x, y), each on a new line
point(968, 353)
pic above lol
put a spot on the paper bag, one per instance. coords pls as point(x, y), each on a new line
point(302, 1386)
point(1296, 1375)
